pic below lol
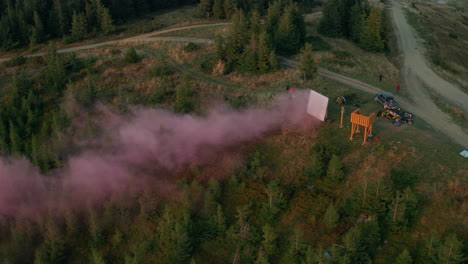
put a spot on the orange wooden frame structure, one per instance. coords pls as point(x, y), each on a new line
point(359, 120)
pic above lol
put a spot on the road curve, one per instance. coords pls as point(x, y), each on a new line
point(432, 115)
point(143, 37)
point(415, 61)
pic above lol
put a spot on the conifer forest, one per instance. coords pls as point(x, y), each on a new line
point(177, 131)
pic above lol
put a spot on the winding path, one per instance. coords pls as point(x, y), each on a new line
point(424, 108)
point(143, 37)
point(416, 65)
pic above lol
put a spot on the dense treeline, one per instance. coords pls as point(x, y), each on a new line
point(354, 19)
point(255, 216)
point(255, 40)
point(221, 9)
point(24, 22)
point(31, 116)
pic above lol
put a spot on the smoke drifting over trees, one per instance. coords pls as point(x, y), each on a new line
point(133, 150)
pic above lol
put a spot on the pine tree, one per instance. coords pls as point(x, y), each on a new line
point(79, 27)
point(55, 77)
point(274, 203)
point(330, 218)
point(269, 241)
point(105, 20)
point(220, 221)
point(63, 20)
point(331, 22)
point(263, 53)
point(35, 151)
point(15, 140)
point(92, 16)
point(218, 9)
point(335, 173)
point(308, 66)
point(4, 135)
point(404, 258)
point(220, 48)
point(296, 247)
point(255, 26)
point(131, 56)
point(205, 8)
point(229, 8)
point(357, 19)
point(273, 18)
point(315, 256)
point(37, 33)
point(182, 103)
point(372, 39)
point(451, 251)
point(273, 61)
point(287, 37)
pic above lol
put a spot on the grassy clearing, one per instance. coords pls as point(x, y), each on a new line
point(455, 113)
point(433, 158)
point(444, 28)
point(361, 65)
point(179, 17)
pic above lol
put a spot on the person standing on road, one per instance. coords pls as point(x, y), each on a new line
point(380, 77)
point(398, 88)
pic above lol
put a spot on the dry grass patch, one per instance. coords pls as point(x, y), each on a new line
point(361, 64)
point(445, 30)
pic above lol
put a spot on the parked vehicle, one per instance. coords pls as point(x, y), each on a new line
point(387, 101)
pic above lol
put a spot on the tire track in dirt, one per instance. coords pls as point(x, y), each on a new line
point(143, 37)
point(425, 109)
point(416, 64)
point(433, 116)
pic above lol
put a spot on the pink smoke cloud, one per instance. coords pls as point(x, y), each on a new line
point(133, 148)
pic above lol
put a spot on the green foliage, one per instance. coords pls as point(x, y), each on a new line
point(354, 20)
point(290, 36)
point(269, 241)
point(331, 23)
point(448, 250)
point(274, 204)
point(131, 56)
point(31, 24)
point(205, 8)
point(16, 61)
point(372, 38)
point(78, 27)
point(183, 103)
point(218, 9)
point(318, 43)
point(191, 47)
point(331, 217)
point(86, 96)
point(403, 178)
point(37, 31)
point(162, 70)
point(105, 20)
point(282, 32)
point(404, 258)
point(342, 54)
point(55, 75)
point(335, 170)
point(403, 209)
point(307, 64)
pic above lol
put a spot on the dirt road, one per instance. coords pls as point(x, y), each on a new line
point(143, 37)
point(416, 65)
point(424, 109)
